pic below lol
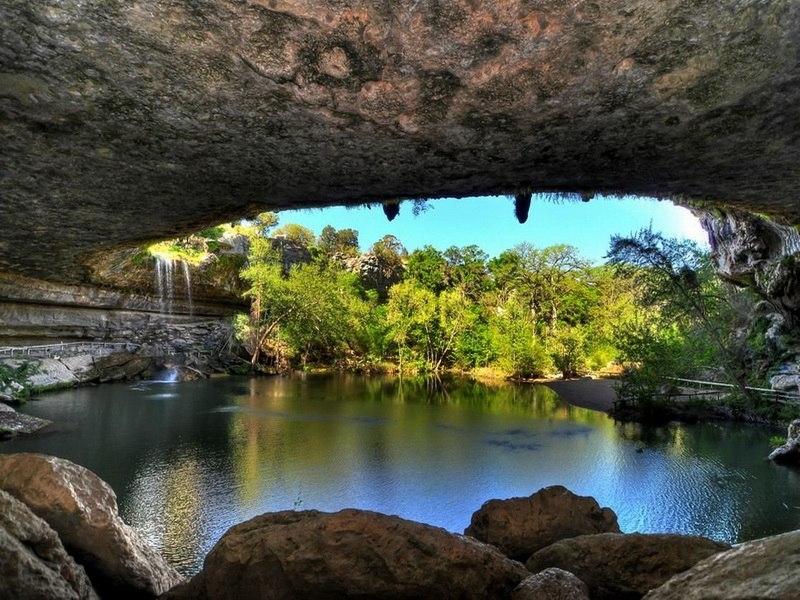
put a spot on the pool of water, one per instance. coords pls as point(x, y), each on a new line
point(188, 460)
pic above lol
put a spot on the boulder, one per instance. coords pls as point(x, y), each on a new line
point(789, 453)
point(349, 554)
point(82, 509)
point(33, 562)
point(521, 526)
point(765, 568)
point(619, 566)
point(551, 584)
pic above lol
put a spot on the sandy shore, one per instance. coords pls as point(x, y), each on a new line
point(595, 394)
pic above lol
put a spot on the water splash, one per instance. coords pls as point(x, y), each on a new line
point(169, 375)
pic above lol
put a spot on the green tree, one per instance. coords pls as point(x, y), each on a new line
point(466, 268)
point(428, 267)
point(675, 280)
point(343, 241)
point(410, 313)
point(296, 233)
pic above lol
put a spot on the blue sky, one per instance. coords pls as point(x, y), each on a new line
point(489, 222)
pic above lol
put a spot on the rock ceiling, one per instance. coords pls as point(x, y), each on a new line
point(123, 121)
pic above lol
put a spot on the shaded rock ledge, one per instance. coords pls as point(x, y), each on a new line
point(33, 561)
point(617, 566)
point(124, 122)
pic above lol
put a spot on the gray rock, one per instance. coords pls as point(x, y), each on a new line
point(82, 509)
point(314, 104)
point(768, 568)
point(551, 584)
point(789, 453)
point(33, 561)
point(349, 554)
point(619, 566)
point(521, 526)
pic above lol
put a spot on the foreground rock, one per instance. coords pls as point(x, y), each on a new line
point(521, 526)
point(82, 509)
point(789, 453)
point(349, 554)
point(551, 584)
point(619, 566)
point(766, 568)
point(33, 561)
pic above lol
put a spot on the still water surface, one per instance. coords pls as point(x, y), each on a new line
point(189, 460)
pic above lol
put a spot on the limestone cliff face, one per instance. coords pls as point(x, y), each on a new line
point(38, 312)
point(129, 121)
point(754, 251)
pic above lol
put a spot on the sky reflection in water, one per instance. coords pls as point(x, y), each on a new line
point(188, 461)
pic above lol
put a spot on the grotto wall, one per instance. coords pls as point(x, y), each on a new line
point(124, 122)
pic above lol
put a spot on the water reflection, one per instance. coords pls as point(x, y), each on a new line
point(190, 463)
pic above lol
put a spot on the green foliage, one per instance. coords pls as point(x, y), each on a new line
point(15, 379)
point(296, 233)
point(343, 241)
point(428, 268)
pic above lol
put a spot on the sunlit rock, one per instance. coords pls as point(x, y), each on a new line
point(33, 561)
point(349, 554)
point(82, 509)
point(521, 526)
point(754, 251)
point(766, 568)
point(616, 566)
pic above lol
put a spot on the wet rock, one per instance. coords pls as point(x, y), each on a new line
point(789, 453)
point(33, 561)
point(765, 568)
point(349, 554)
point(521, 526)
point(82, 509)
point(551, 584)
point(619, 566)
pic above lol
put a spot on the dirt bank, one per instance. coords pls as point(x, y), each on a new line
point(594, 394)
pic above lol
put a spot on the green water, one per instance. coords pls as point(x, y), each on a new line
point(189, 460)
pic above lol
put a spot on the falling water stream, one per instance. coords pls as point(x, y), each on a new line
point(165, 284)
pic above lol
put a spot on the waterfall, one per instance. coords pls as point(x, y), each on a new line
point(188, 280)
point(165, 284)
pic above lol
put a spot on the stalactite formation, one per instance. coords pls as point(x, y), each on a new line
point(391, 209)
point(522, 205)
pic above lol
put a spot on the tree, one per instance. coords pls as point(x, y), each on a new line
point(427, 266)
point(343, 241)
point(295, 233)
point(675, 279)
point(409, 313)
point(466, 268)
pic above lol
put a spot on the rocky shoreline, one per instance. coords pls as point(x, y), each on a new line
point(63, 538)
